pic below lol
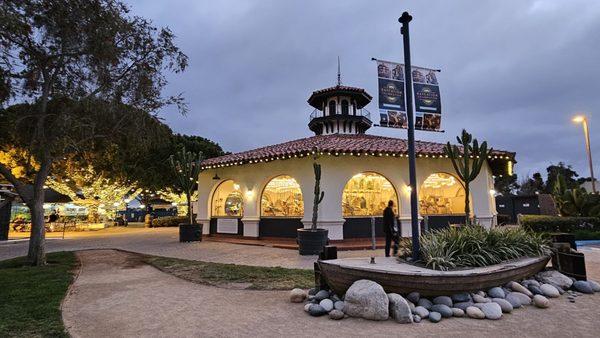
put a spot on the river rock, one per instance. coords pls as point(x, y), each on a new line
point(519, 288)
point(555, 278)
point(535, 289)
point(491, 310)
point(399, 309)
point(413, 297)
point(456, 312)
point(411, 305)
point(307, 306)
point(312, 291)
point(496, 292)
point(479, 299)
point(335, 298)
point(474, 312)
point(523, 298)
point(321, 295)
point(422, 312)
point(442, 309)
point(461, 297)
point(336, 314)
point(549, 291)
point(505, 305)
point(514, 300)
point(583, 287)
point(595, 285)
point(366, 299)
point(541, 301)
point(298, 295)
point(316, 310)
point(445, 300)
point(528, 282)
point(426, 303)
point(326, 304)
point(416, 318)
point(339, 305)
point(463, 305)
point(435, 317)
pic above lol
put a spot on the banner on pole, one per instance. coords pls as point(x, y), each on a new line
point(392, 102)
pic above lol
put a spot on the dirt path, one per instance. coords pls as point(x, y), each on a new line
point(116, 295)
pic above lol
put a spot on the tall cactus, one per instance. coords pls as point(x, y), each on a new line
point(467, 163)
point(318, 195)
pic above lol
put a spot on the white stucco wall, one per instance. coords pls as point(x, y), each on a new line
point(336, 171)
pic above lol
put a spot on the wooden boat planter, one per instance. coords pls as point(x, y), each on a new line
point(403, 278)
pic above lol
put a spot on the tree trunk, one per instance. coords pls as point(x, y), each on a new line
point(37, 239)
point(188, 197)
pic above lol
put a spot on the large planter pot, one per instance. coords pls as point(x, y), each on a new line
point(311, 242)
point(190, 232)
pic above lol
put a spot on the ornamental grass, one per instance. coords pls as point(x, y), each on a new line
point(475, 246)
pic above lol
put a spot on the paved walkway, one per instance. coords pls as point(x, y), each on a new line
point(116, 295)
point(165, 242)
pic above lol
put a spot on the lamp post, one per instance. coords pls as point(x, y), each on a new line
point(586, 132)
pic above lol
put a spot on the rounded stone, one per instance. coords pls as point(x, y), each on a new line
point(461, 297)
point(339, 305)
point(463, 305)
point(421, 312)
point(474, 312)
point(366, 299)
point(444, 300)
point(336, 314)
point(595, 285)
point(326, 304)
point(528, 282)
point(496, 292)
point(549, 291)
point(541, 301)
point(413, 297)
point(416, 318)
point(456, 312)
point(399, 309)
point(319, 296)
point(435, 317)
point(535, 289)
point(491, 310)
point(523, 298)
point(583, 287)
point(307, 306)
point(520, 288)
point(479, 299)
point(505, 305)
point(426, 303)
point(555, 278)
point(312, 291)
point(298, 295)
point(335, 298)
point(442, 309)
point(514, 300)
point(316, 310)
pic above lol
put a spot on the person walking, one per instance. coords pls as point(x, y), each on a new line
point(389, 227)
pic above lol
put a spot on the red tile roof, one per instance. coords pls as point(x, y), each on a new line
point(338, 144)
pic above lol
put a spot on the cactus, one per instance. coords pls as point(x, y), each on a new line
point(318, 194)
point(468, 163)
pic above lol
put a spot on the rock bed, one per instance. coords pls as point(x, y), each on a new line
point(367, 299)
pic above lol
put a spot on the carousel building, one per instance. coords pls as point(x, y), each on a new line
point(268, 192)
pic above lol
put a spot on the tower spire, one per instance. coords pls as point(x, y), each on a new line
point(339, 75)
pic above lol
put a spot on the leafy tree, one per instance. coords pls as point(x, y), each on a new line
point(566, 172)
point(532, 185)
point(506, 185)
point(186, 166)
point(87, 72)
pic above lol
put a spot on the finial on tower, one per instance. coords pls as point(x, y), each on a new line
point(339, 78)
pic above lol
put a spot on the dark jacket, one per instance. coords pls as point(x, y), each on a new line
point(388, 221)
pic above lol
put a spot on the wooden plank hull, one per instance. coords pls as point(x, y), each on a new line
point(403, 278)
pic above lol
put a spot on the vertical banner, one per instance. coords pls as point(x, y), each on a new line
point(392, 101)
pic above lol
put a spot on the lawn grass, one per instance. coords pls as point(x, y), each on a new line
point(248, 277)
point(30, 296)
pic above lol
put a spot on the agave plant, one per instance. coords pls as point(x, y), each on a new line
point(468, 162)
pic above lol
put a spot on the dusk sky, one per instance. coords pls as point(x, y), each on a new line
point(514, 73)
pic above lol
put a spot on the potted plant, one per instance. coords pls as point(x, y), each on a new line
point(311, 241)
point(186, 166)
point(467, 163)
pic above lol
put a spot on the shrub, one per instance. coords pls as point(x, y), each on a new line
point(540, 223)
point(475, 246)
point(581, 235)
point(169, 221)
point(503, 219)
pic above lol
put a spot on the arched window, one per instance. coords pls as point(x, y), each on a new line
point(227, 200)
point(367, 194)
point(441, 194)
point(282, 197)
point(332, 107)
point(345, 110)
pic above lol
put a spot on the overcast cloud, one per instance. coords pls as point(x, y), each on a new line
point(513, 72)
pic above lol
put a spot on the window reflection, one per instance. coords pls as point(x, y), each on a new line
point(227, 200)
point(282, 197)
point(367, 194)
point(441, 194)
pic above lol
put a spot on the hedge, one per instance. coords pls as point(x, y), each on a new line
point(169, 221)
point(540, 223)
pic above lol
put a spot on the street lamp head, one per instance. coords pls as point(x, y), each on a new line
point(579, 118)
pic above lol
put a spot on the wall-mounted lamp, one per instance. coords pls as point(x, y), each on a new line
point(407, 189)
point(249, 194)
point(492, 192)
point(216, 177)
